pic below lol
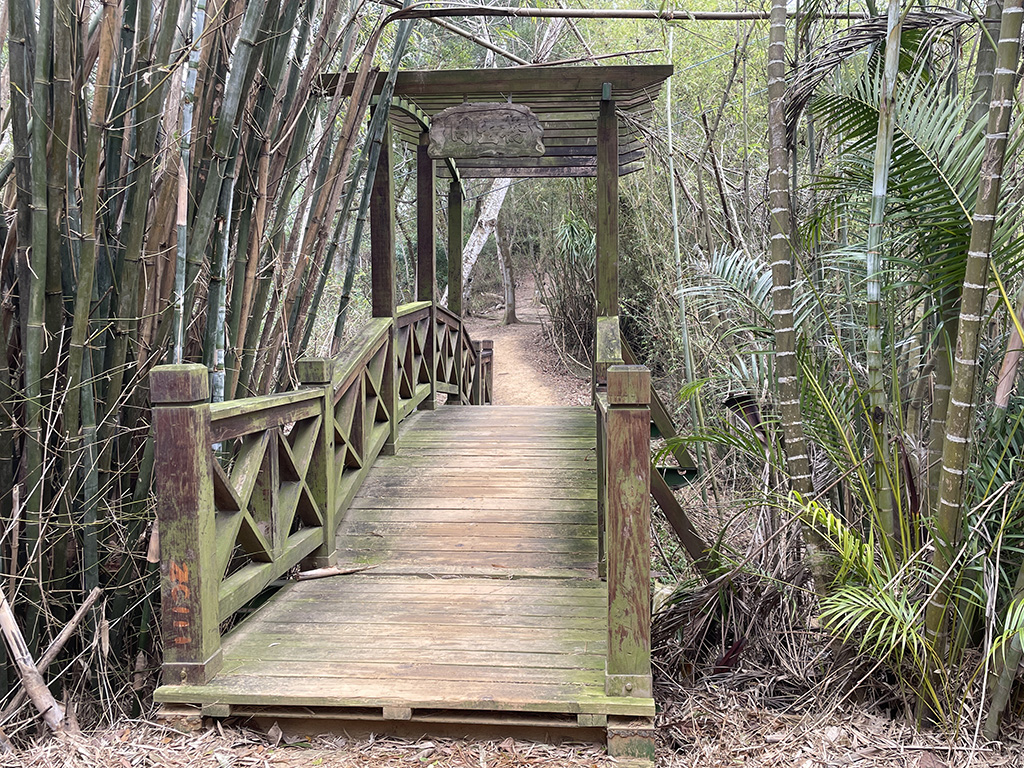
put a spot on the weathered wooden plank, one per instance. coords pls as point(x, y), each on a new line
point(407, 314)
point(270, 414)
point(576, 83)
point(556, 612)
point(449, 561)
point(472, 529)
point(427, 694)
point(454, 486)
point(480, 546)
point(369, 517)
point(457, 487)
point(498, 589)
point(591, 675)
point(362, 346)
point(479, 502)
point(455, 238)
point(415, 620)
point(281, 640)
point(231, 408)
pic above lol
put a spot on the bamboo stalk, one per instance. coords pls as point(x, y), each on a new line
point(371, 151)
point(877, 400)
point(252, 223)
point(181, 249)
point(31, 679)
point(35, 340)
point(55, 647)
point(90, 198)
point(787, 368)
point(203, 222)
point(960, 414)
point(147, 110)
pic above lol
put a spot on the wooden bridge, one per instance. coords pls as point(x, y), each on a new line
point(496, 559)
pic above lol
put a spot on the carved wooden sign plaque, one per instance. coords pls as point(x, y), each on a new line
point(486, 130)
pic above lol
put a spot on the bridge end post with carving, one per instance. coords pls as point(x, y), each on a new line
point(186, 515)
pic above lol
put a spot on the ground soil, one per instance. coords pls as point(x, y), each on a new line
point(527, 370)
point(699, 727)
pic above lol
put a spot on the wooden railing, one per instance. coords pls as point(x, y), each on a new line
point(464, 371)
point(622, 402)
point(249, 489)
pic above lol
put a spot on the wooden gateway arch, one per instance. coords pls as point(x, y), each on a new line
point(500, 554)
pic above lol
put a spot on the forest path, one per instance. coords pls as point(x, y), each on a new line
point(527, 369)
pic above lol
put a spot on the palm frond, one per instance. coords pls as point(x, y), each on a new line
point(852, 41)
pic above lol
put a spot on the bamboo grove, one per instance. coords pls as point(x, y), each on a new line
point(177, 187)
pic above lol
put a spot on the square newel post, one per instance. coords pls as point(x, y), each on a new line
point(318, 372)
point(426, 257)
point(382, 275)
point(628, 461)
point(189, 583)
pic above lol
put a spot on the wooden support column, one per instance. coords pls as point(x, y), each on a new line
point(320, 477)
point(426, 257)
point(628, 462)
point(382, 274)
point(455, 275)
point(607, 271)
point(455, 248)
point(189, 582)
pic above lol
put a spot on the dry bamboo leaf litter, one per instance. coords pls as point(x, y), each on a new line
point(718, 728)
point(141, 744)
point(703, 729)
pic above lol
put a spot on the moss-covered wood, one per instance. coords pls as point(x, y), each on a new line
point(627, 434)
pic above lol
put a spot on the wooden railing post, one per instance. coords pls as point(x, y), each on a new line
point(477, 390)
point(628, 463)
point(320, 477)
point(186, 516)
point(382, 274)
point(488, 372)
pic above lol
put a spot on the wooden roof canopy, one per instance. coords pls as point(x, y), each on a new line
point(565, 99)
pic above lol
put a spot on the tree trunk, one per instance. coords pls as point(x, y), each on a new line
point(1007, 378)
point(787, 368)
point(877, 400)
point(960, 414)
point(508, 280)
point(486, 223)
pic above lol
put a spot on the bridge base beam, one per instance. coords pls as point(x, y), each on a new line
point(632, 739)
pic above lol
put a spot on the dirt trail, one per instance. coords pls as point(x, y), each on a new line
point(527, 370)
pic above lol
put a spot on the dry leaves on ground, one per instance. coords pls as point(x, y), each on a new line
point(718, 729)
point(140, 744)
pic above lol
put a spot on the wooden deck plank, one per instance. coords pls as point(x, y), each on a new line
point(468, 516)
point(470, 529)
point(482, 592)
